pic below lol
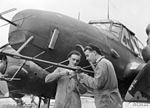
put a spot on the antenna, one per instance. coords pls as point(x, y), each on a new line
point(8, 11)
point(79, 16)
point(2, 13)
point(108, 9)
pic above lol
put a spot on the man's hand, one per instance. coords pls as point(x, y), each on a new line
point(66, 72)
point(79, 69)
point(63, 73)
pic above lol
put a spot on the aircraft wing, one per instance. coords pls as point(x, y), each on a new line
point(140, 87)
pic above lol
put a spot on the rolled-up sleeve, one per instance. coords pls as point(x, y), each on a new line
point(99, 78)
point(52, 76)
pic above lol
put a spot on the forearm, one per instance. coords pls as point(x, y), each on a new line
point(90, 82)
point(51, 77)
point(55, 75)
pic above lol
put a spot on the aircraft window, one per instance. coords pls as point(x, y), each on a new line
point(134, 46)
point(138, 46)
point(126, 39)
point(141, 46)
point(104, 26)
point(17, 37)
point(116, 29)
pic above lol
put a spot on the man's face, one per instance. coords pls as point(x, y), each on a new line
point(74, 60)
point(90, 56)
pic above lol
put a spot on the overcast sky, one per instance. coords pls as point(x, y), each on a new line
point(132, 13)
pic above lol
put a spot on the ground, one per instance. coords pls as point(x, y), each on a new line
point(86, 103)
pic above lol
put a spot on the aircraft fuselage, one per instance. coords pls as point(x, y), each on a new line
point(70, 32)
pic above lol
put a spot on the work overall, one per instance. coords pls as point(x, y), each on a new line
point(103, 85)
point(67, 94)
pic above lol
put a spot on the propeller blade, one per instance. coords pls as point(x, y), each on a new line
point(7, 11)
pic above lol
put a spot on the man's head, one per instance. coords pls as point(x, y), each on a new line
point(74, 58)
point(92, 52)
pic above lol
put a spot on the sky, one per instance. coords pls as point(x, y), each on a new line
point(132, 13)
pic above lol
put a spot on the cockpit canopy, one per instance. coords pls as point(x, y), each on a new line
point(120, 33)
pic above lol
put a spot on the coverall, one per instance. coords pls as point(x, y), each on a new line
point(67, 95)
point(104, 85)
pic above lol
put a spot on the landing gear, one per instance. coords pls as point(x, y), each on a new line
point(46, 102)
point(39, 102)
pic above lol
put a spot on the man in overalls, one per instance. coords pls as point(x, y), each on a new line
point(68, 88)
point(104, 84)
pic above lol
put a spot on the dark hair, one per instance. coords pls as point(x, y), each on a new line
point(92, 47)
point(74, 52)
point(2, 57)
point(148, 29)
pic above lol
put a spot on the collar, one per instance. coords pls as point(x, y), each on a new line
point(99, 59)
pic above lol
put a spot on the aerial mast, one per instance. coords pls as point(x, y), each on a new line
point(79, 16)
point(108, 9)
